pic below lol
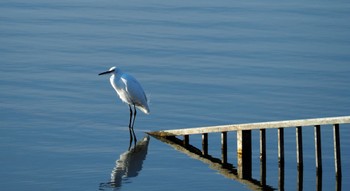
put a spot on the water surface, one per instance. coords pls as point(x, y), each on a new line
point(208, 63)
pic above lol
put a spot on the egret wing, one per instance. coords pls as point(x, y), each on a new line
point(135, 92)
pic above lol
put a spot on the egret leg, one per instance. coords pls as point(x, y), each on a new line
point(132, 127)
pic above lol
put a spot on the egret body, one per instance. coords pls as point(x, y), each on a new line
point(130, 92)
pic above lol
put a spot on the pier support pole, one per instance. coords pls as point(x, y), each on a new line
point(281, 146)
point(263, 157)
point(186, 140)
point(244, 154)
point(224, 147)
point(299, 142)
point(318, 154)
point(300, 178)
point(337, 158)
point(280, 158)
point(205, 144)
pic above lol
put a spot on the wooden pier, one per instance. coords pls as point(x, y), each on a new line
point(244, 145)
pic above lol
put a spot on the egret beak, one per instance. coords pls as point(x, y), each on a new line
point(106, 72)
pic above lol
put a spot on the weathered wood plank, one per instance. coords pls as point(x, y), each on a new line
point(251, 126)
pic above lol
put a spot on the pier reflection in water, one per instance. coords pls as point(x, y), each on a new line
point(230, 171)
point(128, 165)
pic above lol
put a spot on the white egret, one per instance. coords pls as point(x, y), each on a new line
point(131, 92)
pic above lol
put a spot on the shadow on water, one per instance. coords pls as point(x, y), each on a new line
point(226, 169)
point(229, 170)
point(127, 166)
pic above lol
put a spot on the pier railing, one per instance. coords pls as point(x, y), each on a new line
point(244, 142)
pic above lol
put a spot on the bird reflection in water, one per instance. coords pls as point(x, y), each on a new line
point(128, 165)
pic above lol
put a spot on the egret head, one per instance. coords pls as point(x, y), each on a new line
point(111, 70)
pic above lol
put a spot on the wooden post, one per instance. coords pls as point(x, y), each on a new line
point(281, 176)
point(280, 158)
point(244, 154)
point(224, 147)
point(205, 144)
point(300, 165)
point(263, 157)
point(337, 156)
point(186, 141)
point(338, 183)
point(244, 158)
point(299, 142)
point(281, 146)
point(318, 154)
point(262, 144)
point(300, 178)
point(319, 180)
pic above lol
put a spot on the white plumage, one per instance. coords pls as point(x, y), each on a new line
point(129, 91)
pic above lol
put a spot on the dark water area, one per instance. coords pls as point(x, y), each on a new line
point(204, 63)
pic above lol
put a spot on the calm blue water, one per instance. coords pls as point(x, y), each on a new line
point(201, 63)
